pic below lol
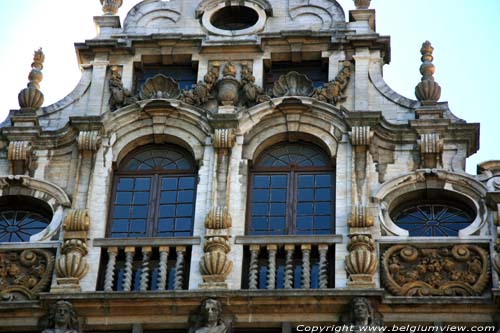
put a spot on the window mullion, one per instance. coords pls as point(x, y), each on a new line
point(154, 205)
point(292, 203)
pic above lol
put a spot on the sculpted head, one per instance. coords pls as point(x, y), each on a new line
point(211, 310)
point(361, 310)
point(62, 315)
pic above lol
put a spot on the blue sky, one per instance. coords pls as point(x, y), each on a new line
point(465, 35)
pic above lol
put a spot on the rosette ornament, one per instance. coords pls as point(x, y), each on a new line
point(427, 91)
point(31, 97)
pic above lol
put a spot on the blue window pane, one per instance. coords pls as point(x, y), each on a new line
point(322, 208)
point(119, 226)
point(277, 223)
point(277, 209)
point(168, 197)
point(142, 184)
point(261, 181)
point(139, 211)
point(278, 181)
point(186, 183)
point(165, 225)
point(305, 195)
point(169, 184)
point(259, 209)
point(260, 196)
point(185, 196)
point(323, 180)
point(125, 184)
point(184, 210)
point(323, 222)
point(278, 195)
point(322, 194)
point(167, 210)
point(306, 181)
point(259, 223)
point(138, 226)
point(304, 209)
point(304, 223)
point(121, 212)
point(123, 197)
point(183, 224)
point(141, 198)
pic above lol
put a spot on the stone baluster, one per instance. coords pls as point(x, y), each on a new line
point(254, 267)
point(271, 270)
point(179, 267)
point(163, 268)
point(110, 269)
point(288, 284)
point(323, 263)
point(306, 266)
point(146, 254)
point(127, 276)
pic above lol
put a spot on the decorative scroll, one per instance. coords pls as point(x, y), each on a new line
point(24, 274)
point(332, 92)
point(89, 140)
point(19, 156)
point(460, 270)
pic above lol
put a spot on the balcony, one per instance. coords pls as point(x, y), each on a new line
point(288, 262)
point(142, 264)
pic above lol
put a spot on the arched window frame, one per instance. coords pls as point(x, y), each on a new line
point(155, 175)
point(292, 173)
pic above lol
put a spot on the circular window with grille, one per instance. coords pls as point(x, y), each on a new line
point(22, 217)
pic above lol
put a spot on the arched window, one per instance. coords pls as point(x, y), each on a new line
point(22, 217)
point(291, 191)
point(154, 194)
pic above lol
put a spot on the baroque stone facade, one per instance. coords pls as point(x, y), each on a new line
point(230, 166)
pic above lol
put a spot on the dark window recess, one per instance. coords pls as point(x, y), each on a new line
point(433, 219)
point(154, 194)
point(234, 18)
point(316, 71)
point(21, 217)
point(184, 75)
point(291, 192)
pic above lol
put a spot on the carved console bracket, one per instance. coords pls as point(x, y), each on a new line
point(223, 138)
point(361, 262)
point(71, 265)
point(431, 151)
point(19, 156)
point(89, 141)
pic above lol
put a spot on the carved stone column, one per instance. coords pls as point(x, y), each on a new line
point(361, 263)
point(71, 265)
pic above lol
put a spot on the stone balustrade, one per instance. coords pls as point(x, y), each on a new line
point(146, 264)
point(288, 262)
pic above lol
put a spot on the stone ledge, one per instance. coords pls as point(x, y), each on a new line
point(264, 240)
point(150, 241)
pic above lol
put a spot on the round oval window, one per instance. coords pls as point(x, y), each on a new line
point(234, 18)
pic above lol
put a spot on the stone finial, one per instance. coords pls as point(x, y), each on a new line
point(427, 91)
point(362, 4)
point(31, 97)
point(110, 7)
point(361, 262)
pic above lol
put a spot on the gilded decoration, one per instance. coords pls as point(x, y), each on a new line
point(459, 270)
point(24, 274)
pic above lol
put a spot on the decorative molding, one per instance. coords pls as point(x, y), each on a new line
point(361, 263)
point(89, 140)
point(24, 274)
point(361, 136)
point(449, 270)
point(218, 218)
point(223, 138)
point(19, 156)
point(431, 150)
point(71, 265)
point(360, 218)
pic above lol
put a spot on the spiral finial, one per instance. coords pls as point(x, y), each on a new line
point(427, 91)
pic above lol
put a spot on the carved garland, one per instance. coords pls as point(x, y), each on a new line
point(460, 270)
point(24, 274)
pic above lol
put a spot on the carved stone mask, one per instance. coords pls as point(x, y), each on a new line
point(211, 312)
point(62, 315)
point(360, 310)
